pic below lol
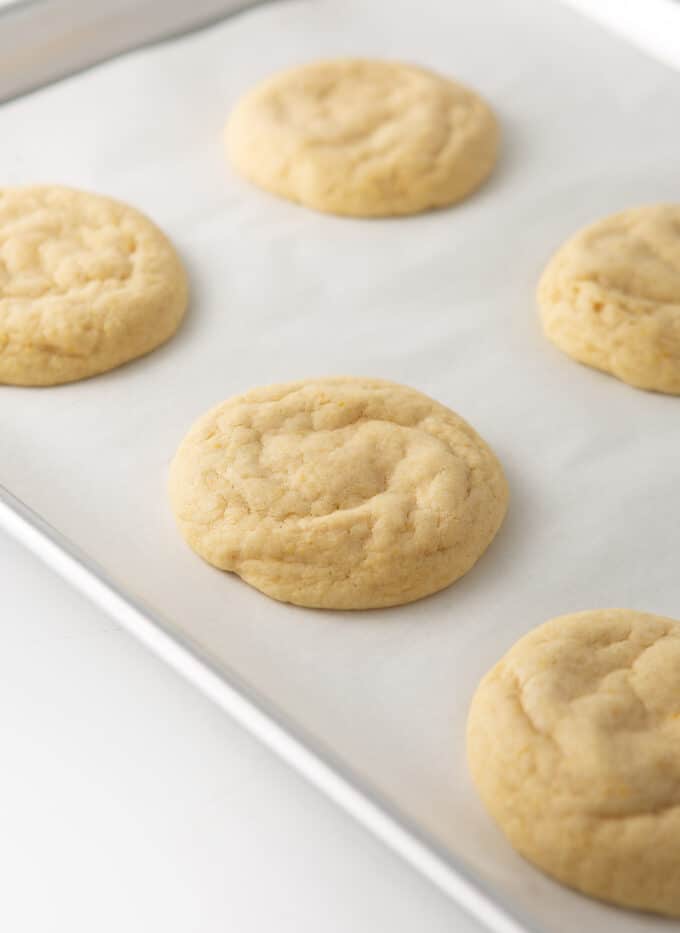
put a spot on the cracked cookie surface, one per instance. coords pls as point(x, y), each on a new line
point(610, 297)
point(574, 746)
point(363, 138)
point(86, 284)
point(338, 493)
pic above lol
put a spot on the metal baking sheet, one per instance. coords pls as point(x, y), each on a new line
point(443, 302)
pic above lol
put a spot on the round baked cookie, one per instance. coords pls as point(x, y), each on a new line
point(338, 493)
point(363, 138)
point(86, 283)
point(610, 297)
point(574, 746)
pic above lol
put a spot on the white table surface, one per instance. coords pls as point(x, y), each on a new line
point(130, 803)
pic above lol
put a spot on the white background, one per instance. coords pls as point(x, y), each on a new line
point(130, 803)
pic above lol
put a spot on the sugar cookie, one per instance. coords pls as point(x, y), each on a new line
point(86, 283)
point(610, 297)
point(363, 138)
point(574, 745)
point(339, 493)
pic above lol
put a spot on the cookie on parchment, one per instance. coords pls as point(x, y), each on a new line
point(574, 746)
point(86, 283)
point(610, 297)
point(363, 138)
point(338, 493)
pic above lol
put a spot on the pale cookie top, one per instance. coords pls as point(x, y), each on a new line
point(86, 283)
point(338, 493)
point(365, 138)
point(611, 296)
point(574, 743)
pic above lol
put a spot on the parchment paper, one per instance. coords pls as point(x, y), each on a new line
point(443, 302)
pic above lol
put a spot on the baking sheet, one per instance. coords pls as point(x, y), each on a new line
point(42, 40)
point(443, 302)
point(652, 25)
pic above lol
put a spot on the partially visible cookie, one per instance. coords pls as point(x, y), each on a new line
point(610, 297)
point(574, 746)
point(363, 138)
point(86, 283)
point(338, 493)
